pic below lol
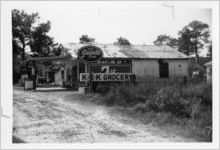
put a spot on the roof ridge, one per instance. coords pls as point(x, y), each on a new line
point(134, 51)
point(119, 45)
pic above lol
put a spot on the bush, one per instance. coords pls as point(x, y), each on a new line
point(202, 72)
point(128, 94)
point(191, 105)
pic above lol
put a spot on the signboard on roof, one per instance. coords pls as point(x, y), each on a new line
point(113, 62)
point(96, 77)
point(89, 53)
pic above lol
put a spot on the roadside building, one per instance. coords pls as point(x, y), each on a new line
point(142, 60)
point(145, 61)
point(50, 74)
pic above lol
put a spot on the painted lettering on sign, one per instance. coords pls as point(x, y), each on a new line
point(89, 53)
point(113, 62)
point(96, 77)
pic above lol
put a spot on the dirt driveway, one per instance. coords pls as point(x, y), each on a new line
point(64, 117)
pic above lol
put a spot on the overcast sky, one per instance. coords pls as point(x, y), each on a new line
point(140, 22)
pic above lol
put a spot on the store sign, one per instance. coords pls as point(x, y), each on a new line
point(113, 62)
point(89, 53)
point(96, 77)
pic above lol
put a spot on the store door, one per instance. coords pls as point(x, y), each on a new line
point(163, 69)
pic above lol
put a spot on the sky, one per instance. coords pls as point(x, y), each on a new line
point(140, 22)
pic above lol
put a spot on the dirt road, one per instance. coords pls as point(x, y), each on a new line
point(64, 117)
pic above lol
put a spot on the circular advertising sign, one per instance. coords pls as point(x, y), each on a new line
point(89, 53)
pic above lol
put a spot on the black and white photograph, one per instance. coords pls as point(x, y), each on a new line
point(124, 72)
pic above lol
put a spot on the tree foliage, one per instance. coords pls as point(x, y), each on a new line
point(122, 41)
point(22, 27)
point(86, 39)
point(193, 37)
point(57, 49)
point(28, 33)
point(166, 40)
point(41, 43)
point(209, 54)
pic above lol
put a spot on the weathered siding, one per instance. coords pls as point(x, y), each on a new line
point(150, 68)
point(58, 79)
point(145, 68)
point(68, 74)
point(178, 68)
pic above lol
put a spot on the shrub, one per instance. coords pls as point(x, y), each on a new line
point(196, 67)
point(124, 95)
point(167, 102)
point(190, 106)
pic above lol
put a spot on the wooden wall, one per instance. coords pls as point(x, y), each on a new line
point(150, 68)
point(58, 79)
point(178, 68)
point(145, 68)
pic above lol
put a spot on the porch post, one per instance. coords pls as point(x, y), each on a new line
point(34, 75)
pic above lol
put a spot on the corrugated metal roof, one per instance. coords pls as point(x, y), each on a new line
point(52, 68)
point(133, 51)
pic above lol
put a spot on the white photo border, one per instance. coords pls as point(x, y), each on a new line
point(7, 89)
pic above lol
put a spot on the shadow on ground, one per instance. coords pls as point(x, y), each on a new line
point(17, 140)
point(46, 89)
point(54, 89)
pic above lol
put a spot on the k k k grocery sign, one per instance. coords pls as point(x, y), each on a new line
point(96, 77)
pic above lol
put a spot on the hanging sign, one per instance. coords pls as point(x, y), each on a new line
point(89, 53)
point(96, 77)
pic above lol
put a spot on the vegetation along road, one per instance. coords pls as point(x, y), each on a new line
point(65, 116)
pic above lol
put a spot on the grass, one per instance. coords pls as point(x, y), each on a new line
point(165, 102)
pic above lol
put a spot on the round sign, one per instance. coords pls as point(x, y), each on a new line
point(89, 53)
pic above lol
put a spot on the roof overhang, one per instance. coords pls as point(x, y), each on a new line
point(56, 58)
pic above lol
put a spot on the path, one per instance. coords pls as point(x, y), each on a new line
point(64, 117)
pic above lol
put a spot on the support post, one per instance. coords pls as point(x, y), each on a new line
point(77, 72)
point(90, 78)
point(34, 75)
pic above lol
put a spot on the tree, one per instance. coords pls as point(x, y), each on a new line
point(193, 37)
point(18, 67)
point(57, 49)
point(28, 33)
point(86, 39)
point(209, 54)
point(22, 27)
point(166, 40)
point(41, 43)
point(122, 41)
point(185, 43)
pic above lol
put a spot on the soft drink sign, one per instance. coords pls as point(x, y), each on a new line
point(89, 53)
